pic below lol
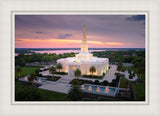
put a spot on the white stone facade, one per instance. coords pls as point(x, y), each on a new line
point(84, 61)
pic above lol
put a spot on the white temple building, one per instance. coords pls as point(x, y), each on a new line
point(83, 61)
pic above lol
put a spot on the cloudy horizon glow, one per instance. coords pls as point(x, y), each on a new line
point(66, 31)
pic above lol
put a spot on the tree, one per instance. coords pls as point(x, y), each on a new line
point(46, 59)
point(130, 76)
point(19, 61)
point(37, 72)
point(52, 70)
point(129, 70)
point(136, 65)
point(120, 66)
point(32, 78)
point(19, 70)
point(77, 73)
point(140, 71)
point(75, 82)
point(75, 93)
point(59, 66)
point(92, 70)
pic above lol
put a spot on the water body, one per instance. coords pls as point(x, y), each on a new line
point(29, 51)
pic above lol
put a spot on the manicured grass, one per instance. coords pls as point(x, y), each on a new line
point(52, 96)
point(26, 70)
point(37, 94)
point(131, 68)
point(140, 87)
point(140, 91)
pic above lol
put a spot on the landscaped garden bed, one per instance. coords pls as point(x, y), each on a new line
point(80, 82)
point(61, 73)
point(93, 77)
point(28, 84)
point(114, 82)
point(55, 78)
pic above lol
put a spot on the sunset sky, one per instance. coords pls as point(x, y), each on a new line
point(66, 31)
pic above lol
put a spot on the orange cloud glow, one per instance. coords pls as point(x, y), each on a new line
point(58, 43)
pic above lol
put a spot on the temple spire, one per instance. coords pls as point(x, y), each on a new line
point(84, 35)
point(84, 45)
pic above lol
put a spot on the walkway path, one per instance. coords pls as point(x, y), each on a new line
point(58, 87)
point(63, 86)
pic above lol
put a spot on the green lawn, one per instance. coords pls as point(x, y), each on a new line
point(140, 91)
point(26, 70)
point(37, 94)
point(52, 96)
point(131, 68)
point(140, 87)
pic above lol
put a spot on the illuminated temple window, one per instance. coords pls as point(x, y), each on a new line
point(76, 61)
point(74, 67)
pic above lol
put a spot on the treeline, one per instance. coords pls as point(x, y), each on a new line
point(21, 59)
point(120, 56)
point(114, 56)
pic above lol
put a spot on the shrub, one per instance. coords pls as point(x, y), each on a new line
point(96, 82)
point(105, 83)
point(133, 74)
point(75, 82)
point(119, 75)
point(61, 73)
point(82, 81)
point(123, 69)
point(130, 76)
point(90, 76)
point(75, 94)
point(37, 72)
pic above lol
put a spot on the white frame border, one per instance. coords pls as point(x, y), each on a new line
point(146, 13)
point(6, 106)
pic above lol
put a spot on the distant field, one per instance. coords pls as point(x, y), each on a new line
point(26, 70)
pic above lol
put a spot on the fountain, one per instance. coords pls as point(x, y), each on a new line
point(39, 80)
point(97, 90)
point(106, 89)
point(25, 78)
point(82, 87)
point(90, 88)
